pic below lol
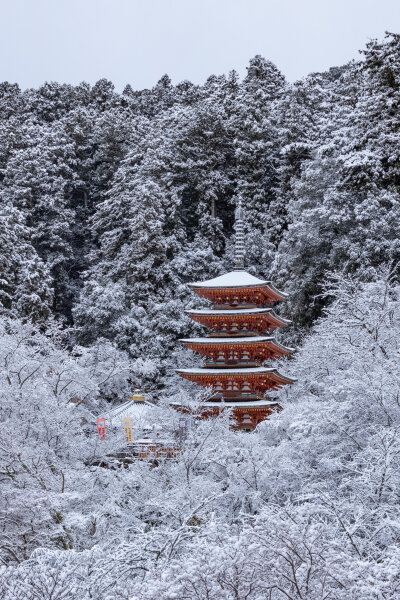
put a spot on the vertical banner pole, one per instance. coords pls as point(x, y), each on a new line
point(183, 426)
point(127, 427)
point(101, 428)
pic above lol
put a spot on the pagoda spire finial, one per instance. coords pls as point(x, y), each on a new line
point(239, 243)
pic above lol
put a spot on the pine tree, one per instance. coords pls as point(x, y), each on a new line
point(255, 126)
point(343, 212)
point(49, 103)
point(25, 282)
point(131, 273)
point(38, 180)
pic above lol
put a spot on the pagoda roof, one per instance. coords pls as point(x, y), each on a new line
point(241, 371)
point(238, 404)
point(236, 279)
point(251, 339)
point(211, 312)
point(232, 404)
point(228, 340)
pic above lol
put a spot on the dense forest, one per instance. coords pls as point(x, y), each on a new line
point(110, 204)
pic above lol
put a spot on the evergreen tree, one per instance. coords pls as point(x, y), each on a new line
point(25, 282)
point(49, 103)
point(343, 212)
point(38, 181)
point(132, 274)
point(255, 127)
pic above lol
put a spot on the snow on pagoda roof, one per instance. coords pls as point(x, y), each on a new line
point(217, 371)
point(231, 311)
point(251, 339)
point(233, 404)
point(235, 279)
point(249, 404)
point(231, 279)
point(212, 312)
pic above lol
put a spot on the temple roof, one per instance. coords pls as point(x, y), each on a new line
point(231, 341)
point(241, 371)
point(235, 279)
point(212, 312)
point(249, 404)
point(252, 339)
point(141, 412)
point(233, 404)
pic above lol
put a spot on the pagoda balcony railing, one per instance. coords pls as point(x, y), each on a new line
point(235, 306)
point(233, 331)
point(226, 364)
point(235, 395)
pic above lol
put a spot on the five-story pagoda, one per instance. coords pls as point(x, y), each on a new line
point(241, 320)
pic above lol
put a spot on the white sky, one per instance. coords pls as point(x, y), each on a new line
point(137, 41)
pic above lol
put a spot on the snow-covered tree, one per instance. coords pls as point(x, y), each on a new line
point(25, 281)
point(110, 204)
point(37, 181)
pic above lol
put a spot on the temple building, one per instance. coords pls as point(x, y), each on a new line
point(137, 411)
point(136, 424)
point(241, 322)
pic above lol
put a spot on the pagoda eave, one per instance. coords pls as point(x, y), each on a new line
point(255, 294)
point(244, 342)
point(245, 415)
point(234, 312)
point(238, 280)
point(264, 319)
point(253, 347)
point(259, 403)
point(219, 340)
point(256, 378)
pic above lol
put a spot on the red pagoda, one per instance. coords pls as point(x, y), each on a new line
point(241, 321)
